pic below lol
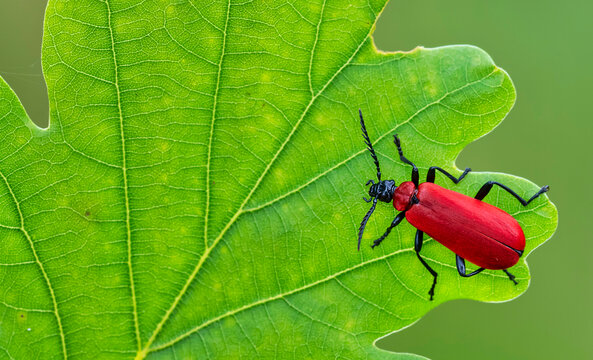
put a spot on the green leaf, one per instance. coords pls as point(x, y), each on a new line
point(198, 192)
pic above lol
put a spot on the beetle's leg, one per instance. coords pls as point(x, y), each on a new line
point(394, 223)
point(485, 189)
point(415, 176)
point(511, 276)
point(431, 174)
point(418, 246)
point(461, 268)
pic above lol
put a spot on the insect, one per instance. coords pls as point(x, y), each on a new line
point(474, 230)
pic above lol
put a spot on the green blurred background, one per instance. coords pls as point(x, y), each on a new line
point(546, 48)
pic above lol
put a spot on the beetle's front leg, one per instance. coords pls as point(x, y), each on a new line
point(417, 247)
point(394, 223)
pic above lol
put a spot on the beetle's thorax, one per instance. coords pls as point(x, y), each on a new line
point(404, 195)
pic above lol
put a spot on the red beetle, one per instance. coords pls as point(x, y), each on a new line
point(474, 230)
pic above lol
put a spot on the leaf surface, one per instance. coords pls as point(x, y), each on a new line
point(198, 191)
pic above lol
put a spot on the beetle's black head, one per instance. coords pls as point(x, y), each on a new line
point(383, 190)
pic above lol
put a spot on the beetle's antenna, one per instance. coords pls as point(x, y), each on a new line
point(367, 141)
point(364, 221)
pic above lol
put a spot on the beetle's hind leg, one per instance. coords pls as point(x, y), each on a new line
point(511, 276)
point(461, 268)
point(462, 271)
point(485, 189)
point(417, 247)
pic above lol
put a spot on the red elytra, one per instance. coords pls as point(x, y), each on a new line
point(474, 230)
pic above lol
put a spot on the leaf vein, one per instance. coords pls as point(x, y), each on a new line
point(39, 264)
point(275, 297)
point(351, 157)
point(125, 178)
point(309, 75)
point(142, 354)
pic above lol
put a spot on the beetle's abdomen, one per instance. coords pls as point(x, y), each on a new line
point(475, 230)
